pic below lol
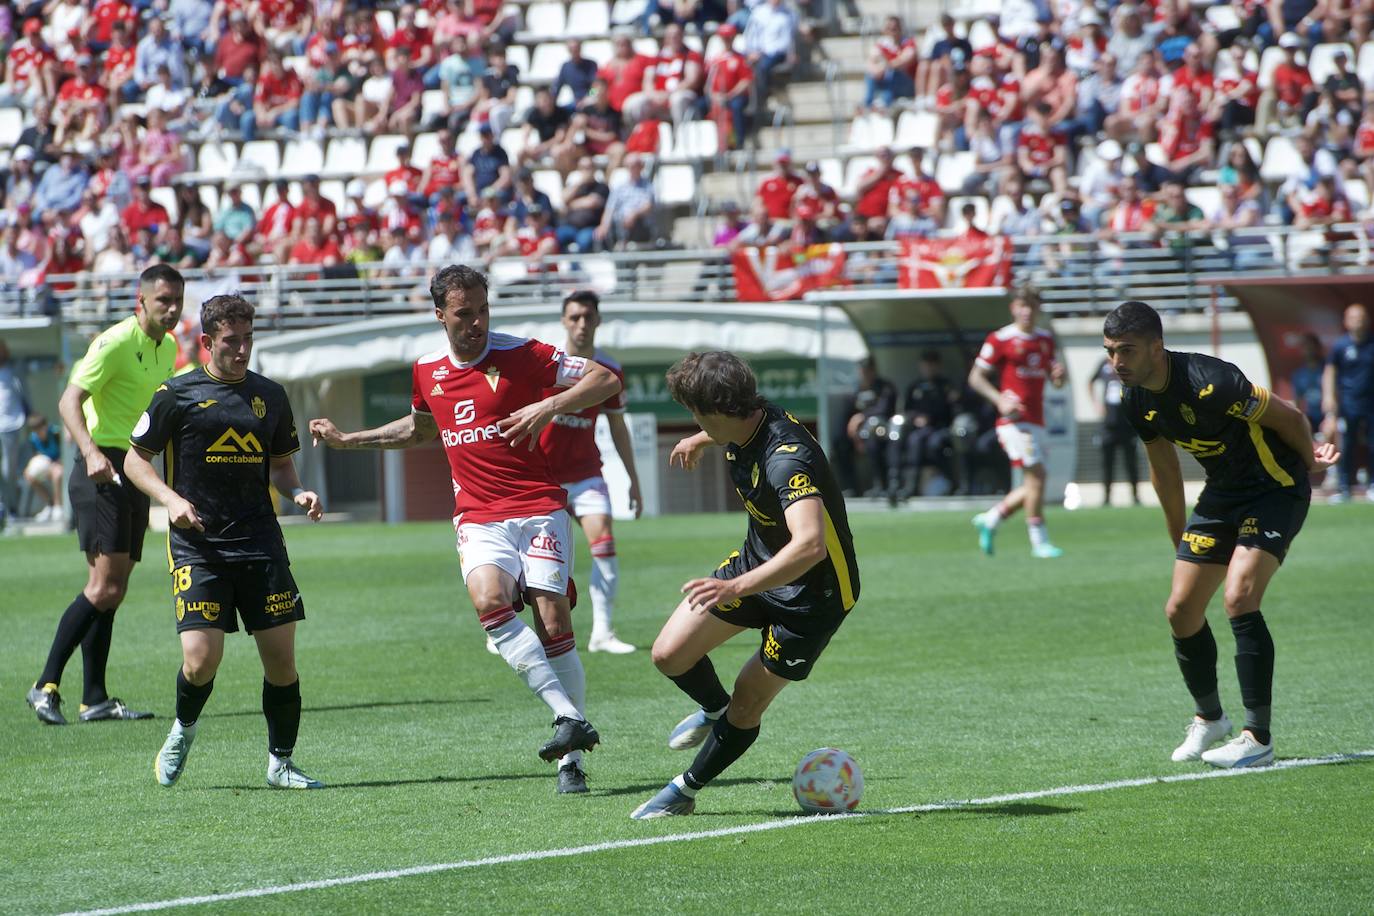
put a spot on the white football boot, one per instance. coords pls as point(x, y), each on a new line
point(171, 760)
point(1202, 734)
point(607, 641)
point(1243, 751)
point(282, 773)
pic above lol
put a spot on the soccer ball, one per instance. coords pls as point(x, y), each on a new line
point(827, 781)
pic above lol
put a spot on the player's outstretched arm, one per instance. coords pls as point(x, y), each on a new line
point(403, 433)
point(140, 471)
point(1167, 478)
point(596, 385)
point(1296, 432)
point(285, 479)
point(805, 519)
point(687, 453)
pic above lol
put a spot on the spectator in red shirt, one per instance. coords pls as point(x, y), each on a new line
point(1042, 151)
point(404, 171)
point(314, 206)
point(1324, 205)
point(106, 15)
point(1236, 96)
point(891, 67)
point(407, 90)
point(30, 69)
point(277, 97)
point(117, 73)
point(445, 170)
point(239, 49)
point(1195, 76)
point(874, 189)
point(1187, 136)
point(414, 39)
point(285, 24)
point(624, 72)
point(671, 85)
point(273, 234)
point(778, 187)
point(314, 247)
point(81, 103)
point(143, 212)
point(921, 187)
point(729, 80)
point(816, 193)
point(1291, 94)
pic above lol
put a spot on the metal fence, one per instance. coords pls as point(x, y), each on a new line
point(1076, 274)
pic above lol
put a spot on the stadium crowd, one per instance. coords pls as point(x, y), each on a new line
point(117, 95)
point(1073, 117)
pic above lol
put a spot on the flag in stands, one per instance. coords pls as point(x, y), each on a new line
point(972, 259)
point(774, 274)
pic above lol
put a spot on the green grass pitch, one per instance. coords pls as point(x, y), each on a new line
point(956, 677)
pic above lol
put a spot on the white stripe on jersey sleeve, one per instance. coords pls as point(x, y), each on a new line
point(498, 341)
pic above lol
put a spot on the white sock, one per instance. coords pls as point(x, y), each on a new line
point(520, 647)
point(993, 517)
point(605, 579)
point(1038, 535)
point(573, 677)
point(275, 763)
point(683, 787)
point(179, 728)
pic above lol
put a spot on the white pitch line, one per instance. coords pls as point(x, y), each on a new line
point(711, 834)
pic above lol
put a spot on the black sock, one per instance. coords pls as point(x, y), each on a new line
point(1197, 659)
point(71, 629)
point(95, 654)
point(1255, 671)
point(282, 707)
point(191, 698)
point(703, 686)
point(726, 744)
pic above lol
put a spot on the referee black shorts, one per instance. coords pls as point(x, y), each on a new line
point(110, 517)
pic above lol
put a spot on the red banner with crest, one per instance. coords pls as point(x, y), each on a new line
point(971, 260)
point(778, 273)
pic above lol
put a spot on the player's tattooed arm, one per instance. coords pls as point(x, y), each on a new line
point(402, 433)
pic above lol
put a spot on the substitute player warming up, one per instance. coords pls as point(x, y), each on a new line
point(1022, 355)
point(225, 434)
point(1257, 452)
point(484, 395)
point(794, 578)
point(570, 443)
point(108, 390)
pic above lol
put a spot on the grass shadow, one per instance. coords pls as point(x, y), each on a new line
point(388, 783)
point(350, 707)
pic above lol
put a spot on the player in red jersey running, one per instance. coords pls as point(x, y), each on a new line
point(484, 396)
point(1022, 356)
point(570, 443)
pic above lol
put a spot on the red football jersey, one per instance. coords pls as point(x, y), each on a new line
point(444, 171)
point(776, 193)
point(492, 481)
point(1022, 362)
point(570, 440)
point(1040, 144)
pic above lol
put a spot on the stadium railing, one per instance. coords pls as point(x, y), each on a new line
point(1076, 275)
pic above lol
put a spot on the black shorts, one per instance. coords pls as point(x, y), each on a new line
point(796, 629)
point(1221, 522)
point(110, 517)
point(214, 595)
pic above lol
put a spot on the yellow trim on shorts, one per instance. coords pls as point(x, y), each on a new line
point(835, 551)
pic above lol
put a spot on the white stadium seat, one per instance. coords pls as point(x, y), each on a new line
point(1364, 67)
point(11, 126)
point(216, 160)
point(167, 197)
point(916, 128)
point(252, 196)
point(303, 157)
point(1222, 18)
point(867, 132)
point(424, 149)
point(519, 55)
point(1272, 57)
point(1281, 160)
point(1358, 194)
point(1320, 62)
point(375, 195)
point(952, 170)
point(381, 155)
point(853, 171)
point(546, 20)
point(333, 191)
point(1205, 198)
point(599, 50)
point(675, 184)
point(628, 12)
point(386, 22)
point(547, 60)
point(832, 173)
point(980, 215)
point(513, 142)
point(432, 105)
point(209, 197)
point(261, 155)
point(551, 183)
point(345, 157)
point(696, 140)
point(588, 18)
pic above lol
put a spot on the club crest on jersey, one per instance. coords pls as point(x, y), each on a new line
point(259, 408)
point(440, 373)
point(493, 376)
point(1187, 414)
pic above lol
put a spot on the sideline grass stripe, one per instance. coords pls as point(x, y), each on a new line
point(711, 834)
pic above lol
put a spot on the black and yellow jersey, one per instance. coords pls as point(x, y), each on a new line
point(218, 438)
point(782, 463)
point(1211, 410)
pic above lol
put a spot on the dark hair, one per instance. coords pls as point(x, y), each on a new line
point(1133, 319)
point(715, 383)
point(1028, 294)
point(930, 356)
point(582, 297)
point(455, 277)
point(163, 272)
point(221, 310)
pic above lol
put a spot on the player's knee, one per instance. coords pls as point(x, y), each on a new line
point(200, 669)
point(1177, 610)
point(668, 658)
point(1240, 597)
point(107, 595)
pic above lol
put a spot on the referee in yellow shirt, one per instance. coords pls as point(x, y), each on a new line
point(108, 391)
